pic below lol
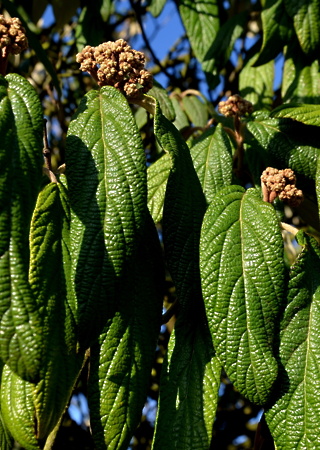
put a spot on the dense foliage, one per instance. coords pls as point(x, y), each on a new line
point(200, 195)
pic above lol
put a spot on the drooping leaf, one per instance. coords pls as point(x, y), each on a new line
point(242, 272)
point(305, 15)
point(221, 47)
point(21, 127)
point(108, 198)
point(293, 419)
point(6, 440)
point(190, 381)
point(256, 83)
point(307, 114)
point(191, 377)
point(49, 278)
point(212, 159)
point(181, 117)
point(158, 174)
point(201, 21)
point(301, 77)
point(277, 30)
point(121, 361)
point(165, 102)
point(196, 110)
point(287, 143)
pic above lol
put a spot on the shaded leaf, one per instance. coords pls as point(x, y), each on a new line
point(121, 361)
point(293, 420)
point(155, 7)
point(158, 174)
point(161, 95)
point(181, 120)
point(242, 272)
point(305, 15)
point(21, 128)
point(196, 110)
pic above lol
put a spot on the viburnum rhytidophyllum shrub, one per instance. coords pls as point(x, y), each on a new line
point(82, 268)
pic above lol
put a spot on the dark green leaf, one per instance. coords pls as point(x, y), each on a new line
point(21, 128)
point(108, 198)
point(277, 26)
point(293, 420)
point(305, 15)
point(121, 362)
point(212, 159)
point(242, 271)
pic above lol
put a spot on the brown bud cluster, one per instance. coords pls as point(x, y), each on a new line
point(117, 64)
point(235, 106)
point(280, 183)
point(12, 36)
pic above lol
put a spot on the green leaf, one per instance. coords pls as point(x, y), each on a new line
point(21, 127)
point(191, 376)
point(165, 102)
point(276, 26)
point(155, 7)
point(6, 440)
point(301, 77)
point(256, 83)
point(293, 420)
point(307, 114)
point(17, 408)
point(181, 117)
point(305, 15)
point(49, 276)
point(242, 272)
point(221, 47)
point(201, 21)
point(212, 159)
point(196, 110)
point(121, 362)
point(108, 198)
point(158, 174)
point(190, 381)
point(287, 143)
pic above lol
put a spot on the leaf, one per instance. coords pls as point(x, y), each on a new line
point(155, 8)
point(181, 117)
point(305, 15)
point(277, 31)
point(301, 77)
point(212, 159)
point(222, 45)
point(191, 377)
point(121, 362)
point(85, 33)
point(196, 110)
point(158, 174)
point(108, 198)
point(21, 128)
point(242, 272)
point(17, 408)
point(256, 83)
point(293, 419)
point(49, 276)
point(307, 114)
point(287, 143)
point(190, 381)
point(161, 95)
point(201, 21)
